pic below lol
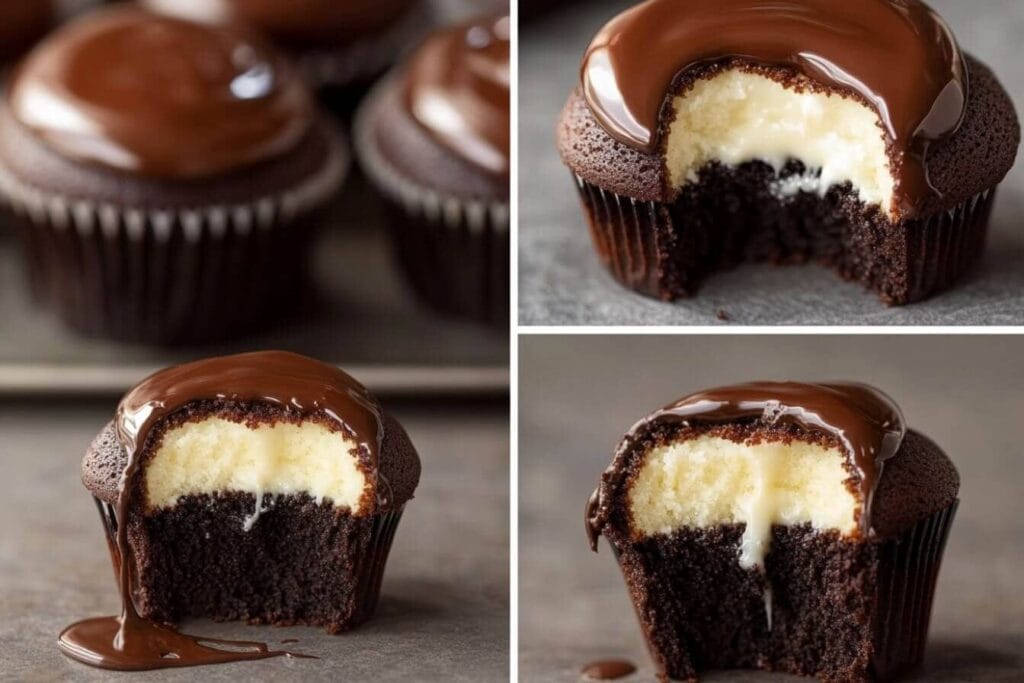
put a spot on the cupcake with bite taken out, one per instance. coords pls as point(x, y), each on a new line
point(856, 134)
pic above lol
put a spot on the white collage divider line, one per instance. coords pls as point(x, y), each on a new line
point(513, 348)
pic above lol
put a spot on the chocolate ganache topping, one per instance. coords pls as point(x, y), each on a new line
point(159, 96)
point(866, 422)
point(897, 56)
point(293, 382)
point(457, 88)
point(297, 23)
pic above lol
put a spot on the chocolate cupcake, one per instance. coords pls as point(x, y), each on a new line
point(22, 24)
point(168, 176)
point(705, 135)
point(264, 487)
point(338, 45)
point(434, 139)
point(780, 526)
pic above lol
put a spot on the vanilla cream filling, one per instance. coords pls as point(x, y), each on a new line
point(736, 117)
point(220, 456)
point(710, 481)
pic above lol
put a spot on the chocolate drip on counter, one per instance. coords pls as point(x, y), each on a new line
point(897, 56)
point(296, 23)
point(608, 669)
point(140, 93)
point(293, 382)
point(866, 422)
point(457, 88)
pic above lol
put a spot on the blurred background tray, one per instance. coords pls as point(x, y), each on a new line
point(363, 317)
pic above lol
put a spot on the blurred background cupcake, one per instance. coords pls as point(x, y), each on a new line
point(339, 46)
point(433, 137)
point(22, 23)
point(166, 176)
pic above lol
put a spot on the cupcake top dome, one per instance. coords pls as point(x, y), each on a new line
point(456, 87)
point(161, 97)
point(297, 23)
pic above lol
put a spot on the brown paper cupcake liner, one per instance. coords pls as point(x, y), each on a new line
point(648, 248)
point(368, 567)
point(169, 276)
point(907, 570)
point(454, 251)
point(907, 575)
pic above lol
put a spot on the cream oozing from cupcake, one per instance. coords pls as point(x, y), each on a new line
point(737, 116)
point(216, 456)
point(711, 481)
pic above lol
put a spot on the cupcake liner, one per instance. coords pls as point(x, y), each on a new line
point(369, 565)
point(900, 597)
point(169, 276)
point(908, 571)
point(641, 243)
point(454, 251)
point(360, 61)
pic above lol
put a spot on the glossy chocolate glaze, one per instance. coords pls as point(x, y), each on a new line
point(608, 669)
point(866, 422)
point(457, 88)
point(293, 382)
point(161, 97)
point(297, 23)
point(897, 56)
point(22, 22)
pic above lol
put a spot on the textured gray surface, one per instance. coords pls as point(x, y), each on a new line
point(444, 608)
point(562, 282)
point(578, 395)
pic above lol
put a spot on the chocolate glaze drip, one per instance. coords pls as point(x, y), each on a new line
point(457, 88)
point(865, 421)
point(897, 56)
point(161, 97)
point(608, 669)
point(293, 382)
point(298, 23)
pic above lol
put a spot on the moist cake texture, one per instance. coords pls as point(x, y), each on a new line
point(780, 526)
point(702, 137)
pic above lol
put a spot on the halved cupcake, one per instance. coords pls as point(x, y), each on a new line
point(780, 526)
point(858, 134)
point(264, 487)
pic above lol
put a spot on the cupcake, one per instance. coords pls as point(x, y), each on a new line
point(780, 526)
point(263, 487)
point(433, 137)
point(168, 177)
point(338, 45)
point(22, 23)
point(705, 135)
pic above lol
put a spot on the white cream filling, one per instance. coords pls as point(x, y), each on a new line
point(710, 481)
point(736, 117)
point(220, 456)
